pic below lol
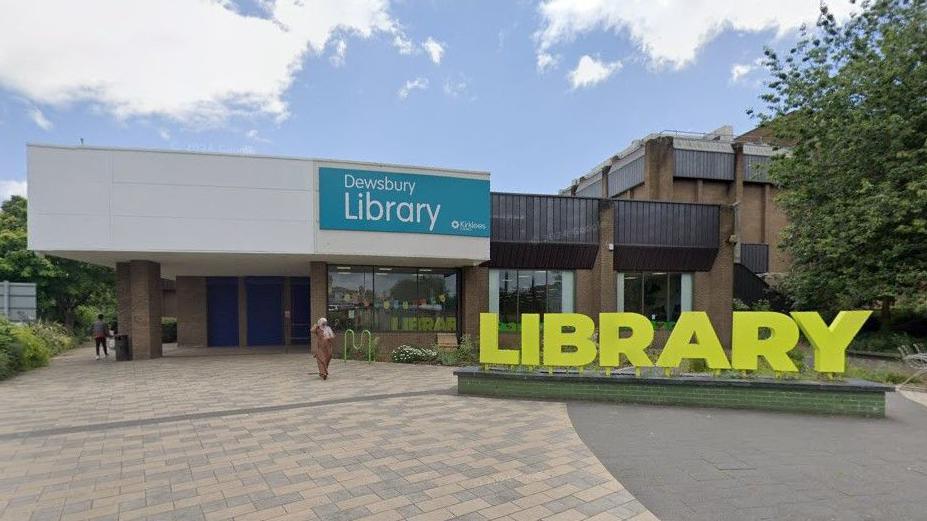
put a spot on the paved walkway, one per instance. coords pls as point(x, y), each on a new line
point(715, 465)
point(258, 437)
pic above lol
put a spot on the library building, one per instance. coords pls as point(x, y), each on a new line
point(248, 251)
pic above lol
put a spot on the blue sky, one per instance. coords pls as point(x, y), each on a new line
point(536, 92)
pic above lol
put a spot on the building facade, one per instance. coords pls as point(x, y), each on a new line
point(248, 251)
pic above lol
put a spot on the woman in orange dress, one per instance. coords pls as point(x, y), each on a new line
point(324, 337)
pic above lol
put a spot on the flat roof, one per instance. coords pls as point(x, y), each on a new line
point(257, 156)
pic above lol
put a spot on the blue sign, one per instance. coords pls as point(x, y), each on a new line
point(398, 202)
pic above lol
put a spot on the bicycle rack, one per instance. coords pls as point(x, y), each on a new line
point(354, 344)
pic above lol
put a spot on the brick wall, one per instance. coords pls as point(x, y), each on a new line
point(785, 397)
point(475, 299)
point(191, 312)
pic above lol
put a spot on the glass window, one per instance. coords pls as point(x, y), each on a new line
point(656, 287)
point(437, 294)
point(350, 294)
point(658, 295)
point(508, 299)
point(632, 292)
point(392, 299)
point(516, 292)
point(395, 299)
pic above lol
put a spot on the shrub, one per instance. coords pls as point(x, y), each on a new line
point(467, 352)
point(168, 330)
point(797, 355)
point(24, 347)
point(9, 357)
point(881, 342)
point(448, 358)
point(697, 365)
point(35, 353)
point(406, 354)
point(56, 337)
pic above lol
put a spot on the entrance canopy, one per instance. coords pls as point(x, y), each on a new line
point(225, 214)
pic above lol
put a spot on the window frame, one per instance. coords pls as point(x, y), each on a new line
point(370, 273)
point(495, 289)
point(686, 291)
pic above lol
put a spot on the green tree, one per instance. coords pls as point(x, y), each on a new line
point(63, 285)
point(851, 102)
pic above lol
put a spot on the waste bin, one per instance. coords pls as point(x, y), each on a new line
point(123, 348)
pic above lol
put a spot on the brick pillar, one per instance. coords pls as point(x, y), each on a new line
point(475, 299)
point(138, 290)
point(604, 267)
point(587, 282)
point(659, 164)
point(318, 290)
point(714, 290)
point(191, 312)
point(123, 299)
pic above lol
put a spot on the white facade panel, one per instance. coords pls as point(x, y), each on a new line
point(207, 202)
point(165, 234)
point(79, 184)
point(178, 168)
point(60, 231)
point(111, 205)
point(407, 246)
point(87, 199)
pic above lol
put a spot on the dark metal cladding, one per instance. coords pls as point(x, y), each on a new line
point(748, 288)
point(755, 257)
point(699, 164)
point(756, 168)
point(554, 256)
point(543, 231)
point(626, 176)
point(665, 236)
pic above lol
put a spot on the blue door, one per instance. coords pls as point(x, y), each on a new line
point(265, 310)
point(222, 311)
point(301, 319)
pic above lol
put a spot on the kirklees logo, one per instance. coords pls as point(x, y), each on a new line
point(467, 225)
point(400, 202)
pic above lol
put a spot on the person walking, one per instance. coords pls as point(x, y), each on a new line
point(100, 332)
point(325, 337)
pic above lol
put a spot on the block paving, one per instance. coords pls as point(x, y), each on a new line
point(257, 437)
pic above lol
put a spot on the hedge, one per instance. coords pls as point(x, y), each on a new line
point(27, 346)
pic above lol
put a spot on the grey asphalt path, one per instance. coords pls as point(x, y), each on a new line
point(716, 465)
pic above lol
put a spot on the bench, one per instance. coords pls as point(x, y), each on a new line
point(446, 341)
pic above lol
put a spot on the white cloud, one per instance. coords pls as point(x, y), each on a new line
point(434, 48)
point(403, 44)
point(9, 188)
point(39, 119)
point(165, 134)
point(739, 71)
point(254, 135)
point(193, 61)
point(546, 61)
point(339, 53)
point(416, 84)
point(590, 71)
point(671, 33)
point(457, 88)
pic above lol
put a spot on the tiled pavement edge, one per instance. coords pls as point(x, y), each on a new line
point(419, 456)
